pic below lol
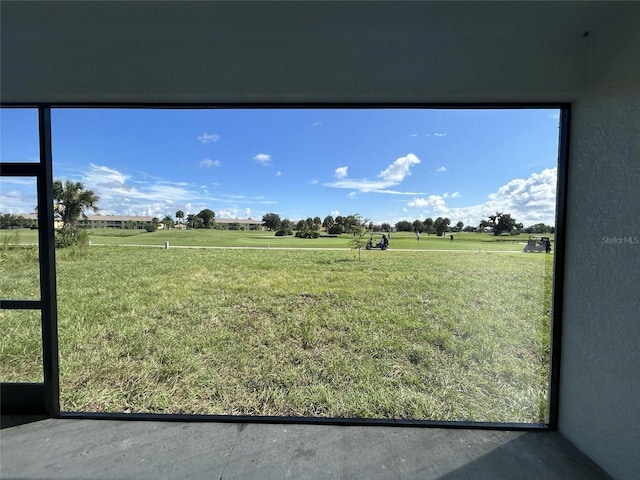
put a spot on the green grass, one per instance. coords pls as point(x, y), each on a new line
point(265, 239)
point(400, 334)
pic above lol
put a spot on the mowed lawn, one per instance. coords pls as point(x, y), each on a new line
point(422, 335)
point(266, 239)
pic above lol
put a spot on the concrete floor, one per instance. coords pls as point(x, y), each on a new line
point(108, 449)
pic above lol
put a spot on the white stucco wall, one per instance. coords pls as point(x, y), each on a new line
point(600, 374)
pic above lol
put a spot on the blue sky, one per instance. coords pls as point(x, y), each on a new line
point(384, 164)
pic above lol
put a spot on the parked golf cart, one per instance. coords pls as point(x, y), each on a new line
point(538, 244)
point(383, 244)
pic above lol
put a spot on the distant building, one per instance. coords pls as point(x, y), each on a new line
point(240, 223)
point(132, 222)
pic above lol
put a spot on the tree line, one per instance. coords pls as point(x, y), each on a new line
point(71, 199)
point(499, 224)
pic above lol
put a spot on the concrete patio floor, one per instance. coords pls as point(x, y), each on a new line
point(108, 449)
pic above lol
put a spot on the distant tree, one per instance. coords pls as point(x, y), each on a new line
point(460, 226)
point(71, 200)
point(428, 225)
point(194, 221)
point(483, 226)
point(441, 225)
point(301, 225)
point(469, 228)
point(179, 216)
point(351, 221)
point(286, 224)
point(168, 222)
point(503, 223)
point(385, 227)
point(417, 226)
point(153, 225)
point(404, 226)
point(328, 222)
point(271, 221)
point(539, 228)
point(208, 218)
point(308, 224)
point(338, 226)
point(317, 223)
point(10, 221)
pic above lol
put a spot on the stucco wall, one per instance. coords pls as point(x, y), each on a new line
point(600, 374)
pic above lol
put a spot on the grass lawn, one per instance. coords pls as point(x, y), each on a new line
point(265, 239)
point(400, 334)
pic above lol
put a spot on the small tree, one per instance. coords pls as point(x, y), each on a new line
point(359, 231)
point(179, 216)
point(70, 202)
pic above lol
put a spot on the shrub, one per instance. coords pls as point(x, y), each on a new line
point(307, 234)
point(283, 232)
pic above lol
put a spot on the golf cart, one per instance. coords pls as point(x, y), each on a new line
point(538, 244)
point(383, 244)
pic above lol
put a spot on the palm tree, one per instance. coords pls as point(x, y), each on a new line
point(71, 201)
point(167, 221)
point(179, 216)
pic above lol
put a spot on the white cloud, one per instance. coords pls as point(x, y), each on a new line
point(399, 169)
point(120, 194)
point(451, 195)
point(17, 199)
point(101, 175)
point(263, 158)
point(313, 181)
point(439, 134)
point(392, 175)
point(341, 172)
point(209, 137)
point(434, 201)
point(441, 169)
point(317, 124)
point(335, 213)
point(207, 162)
point(278, 173)
point(529, 201)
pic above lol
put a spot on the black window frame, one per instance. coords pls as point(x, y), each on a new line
point(44, 398)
